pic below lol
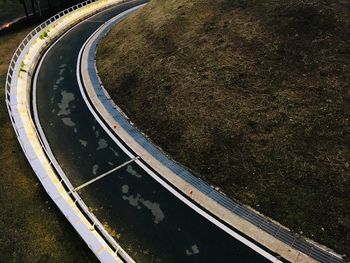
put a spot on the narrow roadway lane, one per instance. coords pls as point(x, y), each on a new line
point(150, 223)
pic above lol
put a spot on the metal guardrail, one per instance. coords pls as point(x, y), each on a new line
point(252, 217)
point(31, 35)
point(15, 68)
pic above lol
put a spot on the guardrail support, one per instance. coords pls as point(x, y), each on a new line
point(71, 205)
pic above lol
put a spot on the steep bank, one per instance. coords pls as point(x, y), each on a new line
point(253, 96)
point(32, 228)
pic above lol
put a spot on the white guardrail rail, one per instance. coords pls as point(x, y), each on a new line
point(51, 176)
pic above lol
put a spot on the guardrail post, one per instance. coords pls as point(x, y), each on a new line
point(78, 202)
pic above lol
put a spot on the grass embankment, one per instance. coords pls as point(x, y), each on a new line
point(9, 10)
point(32, 229)
point(253, 96)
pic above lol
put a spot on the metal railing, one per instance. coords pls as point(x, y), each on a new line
point(11, 80)
point(33, 33)
point(266, 225)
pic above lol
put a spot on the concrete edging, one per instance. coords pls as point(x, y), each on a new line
point(41, 159)
point(245, 219)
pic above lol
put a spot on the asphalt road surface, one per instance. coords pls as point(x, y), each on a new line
point(149, 222)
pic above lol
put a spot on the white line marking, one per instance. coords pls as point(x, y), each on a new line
point(157, 178)
point(52, 157)
point(103, 175)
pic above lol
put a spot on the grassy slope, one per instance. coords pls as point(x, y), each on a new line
point(11, 9)
point(252, 95)
point(32, 229)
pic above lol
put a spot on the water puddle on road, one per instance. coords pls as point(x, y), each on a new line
point(131, 171)
point(94, 169)
point(138, 202)
point(116, 154)
point(59, 80)
point(83, 142)
point(63, 105)
point(102, 144)
point(193, 251)
point(68, 122)
point(61, 71)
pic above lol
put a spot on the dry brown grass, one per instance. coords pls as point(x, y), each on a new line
point(253, 96)
point(32, 229)
point(9, 10)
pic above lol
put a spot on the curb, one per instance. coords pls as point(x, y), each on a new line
point(49, 173)
point(259, 228)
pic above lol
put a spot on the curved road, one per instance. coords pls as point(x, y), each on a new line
point(149, 222)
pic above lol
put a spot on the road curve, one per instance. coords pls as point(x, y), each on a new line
point(150, 223)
